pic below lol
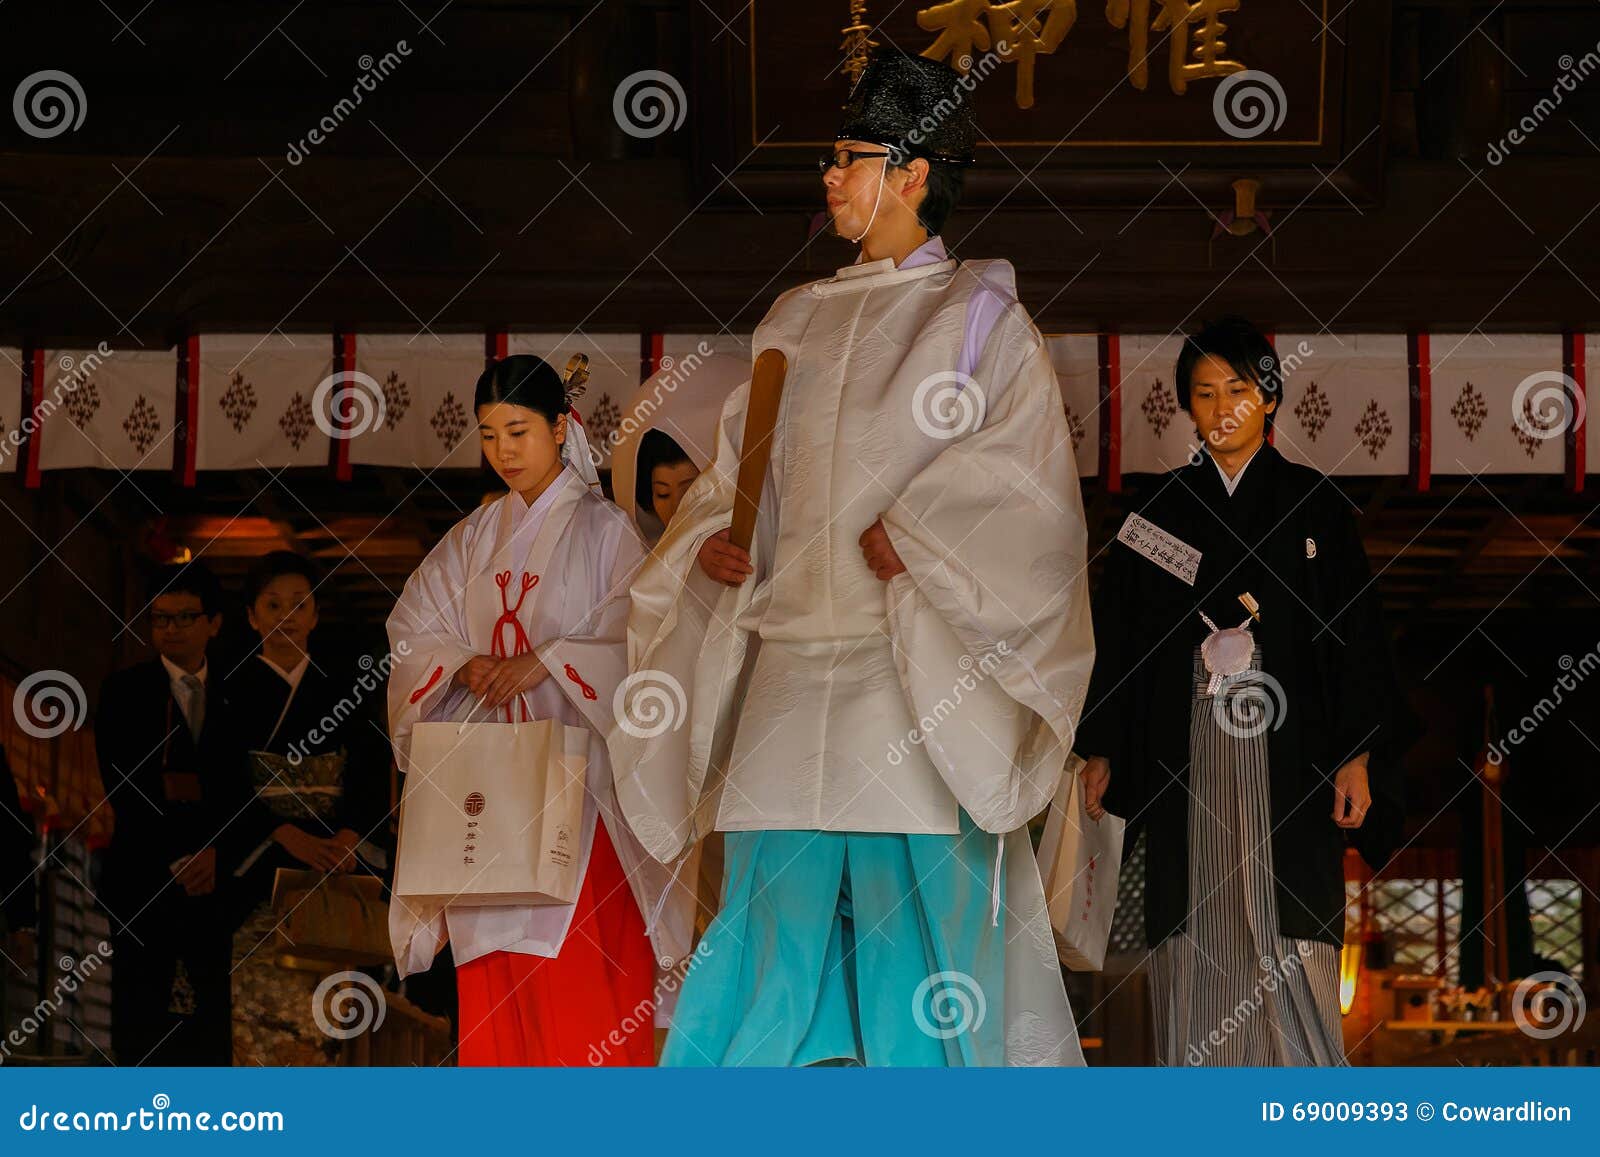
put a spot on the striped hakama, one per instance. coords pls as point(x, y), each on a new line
point(1228, 989)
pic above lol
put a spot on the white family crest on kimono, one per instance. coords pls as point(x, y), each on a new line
point(510, 573)
point(818, 697)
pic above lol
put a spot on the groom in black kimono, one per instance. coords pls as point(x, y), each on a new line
point(1277, 548)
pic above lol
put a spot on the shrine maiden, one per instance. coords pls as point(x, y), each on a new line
point(521, 608)
point(1244, 711)
point(881, 694)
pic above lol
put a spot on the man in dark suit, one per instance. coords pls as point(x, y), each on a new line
point(174, 777)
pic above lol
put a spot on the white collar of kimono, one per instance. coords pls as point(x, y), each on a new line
point(291, 677)
point(519, 511)
point(1231, 484)
point(928, 258)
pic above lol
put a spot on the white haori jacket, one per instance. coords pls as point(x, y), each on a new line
point(814, 695)
point(574, 617)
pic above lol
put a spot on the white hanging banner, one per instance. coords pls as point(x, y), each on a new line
point(413, 406)
point(1076, 360)
point(613, 377)
point(1346, 405)
point(258, 400)
point(1500, 405)
point(108, 408)
point(682, 345)
point(1157, 433)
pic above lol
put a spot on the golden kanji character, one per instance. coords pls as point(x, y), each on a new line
point(1175, 18)
point(961, 29)
point(1018, 36)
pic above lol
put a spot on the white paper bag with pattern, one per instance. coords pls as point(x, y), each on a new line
point(492, 814)
point(1081, 860)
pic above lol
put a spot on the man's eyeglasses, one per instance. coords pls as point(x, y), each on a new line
point(844, 158)
point(183, 619)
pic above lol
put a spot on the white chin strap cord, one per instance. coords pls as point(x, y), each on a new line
point(876, 201)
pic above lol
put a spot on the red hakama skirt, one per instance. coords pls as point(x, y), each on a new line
point(591, 1004)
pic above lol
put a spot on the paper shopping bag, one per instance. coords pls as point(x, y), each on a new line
point(1081, 861)
point(492, 813)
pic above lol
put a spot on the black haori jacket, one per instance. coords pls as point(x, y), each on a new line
point(1287, 536)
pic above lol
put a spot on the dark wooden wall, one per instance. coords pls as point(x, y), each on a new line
point(486, 182)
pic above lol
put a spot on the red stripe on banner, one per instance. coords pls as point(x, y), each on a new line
point(495, 344)
point(1419, 367)
point(655, 349)
point(1572, 364)
point(188, 410)
point(32, 396)
point(1110, 350)
point(344, 362)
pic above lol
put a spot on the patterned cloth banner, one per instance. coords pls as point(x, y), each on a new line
point(1346, 402)
point(613, 376)
point(1157, 434)
point(1500, 405)
point(107, 408)
point(258, 398)
point(413, 404)
point(1076, 360)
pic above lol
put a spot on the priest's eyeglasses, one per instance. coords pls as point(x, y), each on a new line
point(844, 158)
point(182, 620)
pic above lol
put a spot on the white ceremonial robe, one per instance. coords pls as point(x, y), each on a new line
point(574, 617)
point(815, 696)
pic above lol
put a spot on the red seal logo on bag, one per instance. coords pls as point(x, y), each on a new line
point(474, 804)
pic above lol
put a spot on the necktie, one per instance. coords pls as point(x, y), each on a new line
point(197, 705)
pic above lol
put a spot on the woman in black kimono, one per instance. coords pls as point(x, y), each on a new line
point(1244, 711)
point(318, 757)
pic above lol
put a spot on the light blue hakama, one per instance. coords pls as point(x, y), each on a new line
point(849, 948)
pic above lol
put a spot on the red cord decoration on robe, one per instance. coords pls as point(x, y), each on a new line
point(588, 691)
point(417, 695)
point(508, 617)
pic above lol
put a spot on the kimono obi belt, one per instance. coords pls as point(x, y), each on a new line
point(307, 787)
